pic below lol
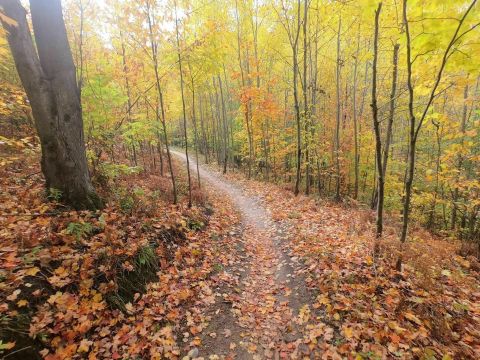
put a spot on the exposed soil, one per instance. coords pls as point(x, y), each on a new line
point(258, 309)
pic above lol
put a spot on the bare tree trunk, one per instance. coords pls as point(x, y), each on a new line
point(355, 120)
point(337, 125)
point(183, 110)
point(296, 102)
point(160, 149)
point(50, 82)
point(80, 50)
point(154, 49)
point(204, 133)
point(305, 97)
point(463, 128)
point(391, 114)
point(247, 105)
point(216, 120)
point(376, 127)
point(224, 124)
point(431, 217)
point(194, 120)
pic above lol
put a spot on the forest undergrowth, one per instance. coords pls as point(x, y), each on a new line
point(137, 278)
point(126, 281)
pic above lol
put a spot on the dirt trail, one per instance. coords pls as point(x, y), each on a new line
point(259, 318)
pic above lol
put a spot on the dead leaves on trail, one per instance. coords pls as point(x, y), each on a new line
point(74, 277)
point(364, 308)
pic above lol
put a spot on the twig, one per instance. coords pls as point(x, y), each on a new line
point(17, 351)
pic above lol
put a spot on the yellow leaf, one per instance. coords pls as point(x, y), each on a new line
point(32, 271)
point(413, 318)
point(7, 346)
point(97, 297)
point(61, 271)
point(22, 303)
point(323, 300)
point(348, 332)
point(369, 260)
point(84, 346)
point(446, 273)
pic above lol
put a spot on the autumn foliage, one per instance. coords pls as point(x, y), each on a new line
point(318, 134)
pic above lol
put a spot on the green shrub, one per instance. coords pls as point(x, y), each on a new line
point(79, 230)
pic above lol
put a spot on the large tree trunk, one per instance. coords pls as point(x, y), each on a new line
point(50, 83)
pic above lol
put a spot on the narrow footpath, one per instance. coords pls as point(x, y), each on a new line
point(264, 314)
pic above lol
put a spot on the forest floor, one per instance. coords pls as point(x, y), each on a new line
point(266, 290)
point(308, 285)
point(249, 272)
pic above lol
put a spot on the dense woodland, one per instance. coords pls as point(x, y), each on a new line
point(365, 105)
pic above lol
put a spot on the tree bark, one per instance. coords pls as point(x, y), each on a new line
point(295, 97)
point(337, 124)
point(183, 109)
point(247, 103)
point(376, 127)
point(305, 98)
point(391, 114)
point(355, 118)
point(463, 128)
point(154, 50)
point(224, 126)
point(50, 82)
point(194, 120)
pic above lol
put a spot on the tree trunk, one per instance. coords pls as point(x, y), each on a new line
point(247, 104)
point(463, 128)
point(50, 82)
point(154, 49)
point(391, 114)
point(305, 98)
point(295, 97)
point(204, 134)
point(183, 110)
point(376, 127)
point(224, 126)
point(194, 120)
point(355, 118)
point(337, 124)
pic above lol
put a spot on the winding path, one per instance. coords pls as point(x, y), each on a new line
point(262, 317)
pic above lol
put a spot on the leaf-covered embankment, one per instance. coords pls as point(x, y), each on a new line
point(116, 283)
